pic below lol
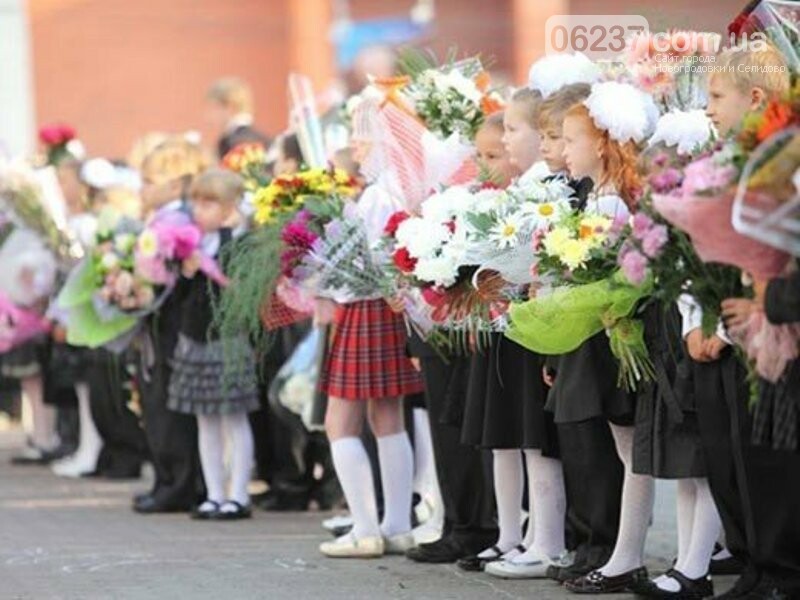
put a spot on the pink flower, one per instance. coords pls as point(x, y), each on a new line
point(634, 266)
point(641, 225)
point(665, 181)
point(654, 240)
point(177, 242)
point(704, 175)
point(123, 286)
point(153, 269)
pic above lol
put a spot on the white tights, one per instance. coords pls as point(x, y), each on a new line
point(212, 431)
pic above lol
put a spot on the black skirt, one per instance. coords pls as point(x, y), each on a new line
point(26, 360)
point(667, 438)
point(505, 400)
point(586, 386)
point(776, 418)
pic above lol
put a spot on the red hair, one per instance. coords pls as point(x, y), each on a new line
point(619, 161)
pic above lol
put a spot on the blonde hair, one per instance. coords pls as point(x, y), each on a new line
point(529, 101)
point(220, 185)
point(144, 146)
point(555, 107)
point(747, 68)
point(233, 93)
point(494, 121)
point(619, 160)
point(175, 158)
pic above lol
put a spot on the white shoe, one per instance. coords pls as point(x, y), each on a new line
point(337, 522)
point(75, 466)
point(399, 544)
point(348, 546)
point(427, 533)
point(523, 567)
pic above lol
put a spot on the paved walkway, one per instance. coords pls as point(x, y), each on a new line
point(78, 540)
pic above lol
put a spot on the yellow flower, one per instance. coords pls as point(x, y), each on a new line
point(554, 240)
point(574, 253)
point(546, 209)
point(148, 244)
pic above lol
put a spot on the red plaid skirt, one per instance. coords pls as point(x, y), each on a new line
point(367, 359)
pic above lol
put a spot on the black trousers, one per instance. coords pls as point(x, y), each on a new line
point(593, 477)
point(124, 444)
point(463, 471)
point(171, 437)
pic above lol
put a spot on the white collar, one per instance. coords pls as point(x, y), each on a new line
point(240, 120)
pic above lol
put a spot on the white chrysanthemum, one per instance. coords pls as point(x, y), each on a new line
point(421, 238)
point(463, 85)
point(549, 74)
point(487, 200)
point(624, 111)
point(440, 270)
point(447, 204)
point(685, 129)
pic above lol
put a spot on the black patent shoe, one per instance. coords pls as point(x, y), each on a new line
point(231, 510)
point(206, 511)
point(691, 589)
point(597, 583)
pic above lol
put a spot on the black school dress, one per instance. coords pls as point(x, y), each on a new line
point(210, 376)
point(667, 441)
point(505, 400)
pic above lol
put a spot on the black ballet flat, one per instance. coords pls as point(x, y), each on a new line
point(597, 583)
point(240, 512)
point(204, 515)
point(691, 589)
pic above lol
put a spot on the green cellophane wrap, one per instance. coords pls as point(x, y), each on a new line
point(562, 321)
point(84, 326)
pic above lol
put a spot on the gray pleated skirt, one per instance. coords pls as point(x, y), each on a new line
point(213, 378)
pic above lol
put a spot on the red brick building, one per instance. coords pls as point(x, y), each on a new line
point(116, 68)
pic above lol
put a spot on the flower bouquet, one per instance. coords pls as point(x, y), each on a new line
point(249, 160)
point(453, 98)
point(18, 325)
point(127, 276)
point(264, 294)
point(578, 256)
point(22, 197)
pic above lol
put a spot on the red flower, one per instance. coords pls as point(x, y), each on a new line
point(404, 261)
point(56, 134)
point(394, 222)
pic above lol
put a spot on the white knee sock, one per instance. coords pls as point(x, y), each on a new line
point(240, 436)
point(355, 475)
point(547, 498)
point(638, 493)
point(212, 455)
point(90, 442)
point(508, 482)
point(397, 469)
point(426, 482)
point(43, 416)
point(705, 531)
